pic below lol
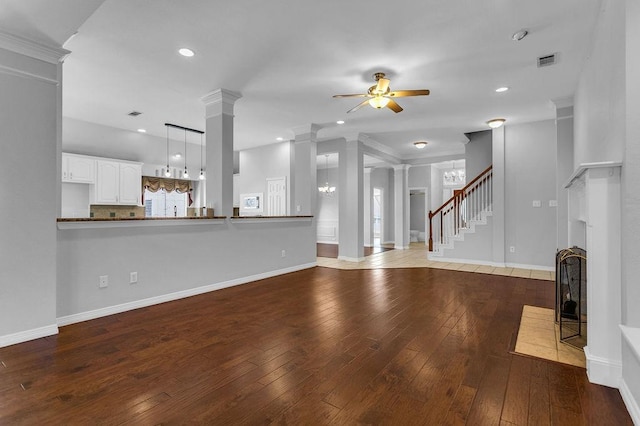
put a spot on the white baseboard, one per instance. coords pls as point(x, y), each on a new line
point(397, 247)
point(468, 261)
point(25, 336)
point(603, 371)
point(632, 405)
point(351, 259)
point(136, 304)
point(327, 242)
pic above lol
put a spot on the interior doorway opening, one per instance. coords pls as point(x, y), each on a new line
point(378, 217)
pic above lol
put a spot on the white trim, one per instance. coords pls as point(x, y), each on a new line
point(32, 49)
point(136, 304)
point(399, 247)
point(129, 223)
point(269, 219)
point(20, 73)
point(335, 243)
point(25, 336)
point(433, 256)
point(351, 259)
point(603, 371)
point(632, 337)
point(630, 402)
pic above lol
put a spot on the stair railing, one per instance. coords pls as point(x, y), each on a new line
point(465, 205)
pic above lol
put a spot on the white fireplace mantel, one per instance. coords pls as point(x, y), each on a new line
point(594, 199)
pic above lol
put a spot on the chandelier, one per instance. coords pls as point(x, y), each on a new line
point(326, 189)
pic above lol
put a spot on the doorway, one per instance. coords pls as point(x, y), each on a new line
point(277, 196)
point(418, 221)
point(378, 217)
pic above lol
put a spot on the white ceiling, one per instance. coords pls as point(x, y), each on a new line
point(287, 59)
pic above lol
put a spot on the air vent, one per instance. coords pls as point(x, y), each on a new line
point(134, 113)
point(545, 61)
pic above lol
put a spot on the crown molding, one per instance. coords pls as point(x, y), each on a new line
point(220, 101)
point(32, 49)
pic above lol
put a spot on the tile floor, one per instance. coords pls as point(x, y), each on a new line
point(416, 257)
point(539, 336)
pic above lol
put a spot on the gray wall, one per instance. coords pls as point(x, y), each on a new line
point(171, 259)
point(258, 164)
point(27, 229)
point(530, 174)
point(477, 153)
point(418, 212)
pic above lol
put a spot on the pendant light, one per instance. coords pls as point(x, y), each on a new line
point(167, 172)
point(185, 175)
point(201, 169)
point(326, 189)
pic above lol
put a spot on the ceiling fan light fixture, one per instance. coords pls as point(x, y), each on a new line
point(379, 102)
point(420, 144)
point(496, 122)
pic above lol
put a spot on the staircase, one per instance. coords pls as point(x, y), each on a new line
point(469, 207)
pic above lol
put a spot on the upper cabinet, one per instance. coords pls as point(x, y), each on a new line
point(118, 183)
point(78, 168)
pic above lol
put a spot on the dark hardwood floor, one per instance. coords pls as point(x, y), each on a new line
point(320, 346)
point(331, 250)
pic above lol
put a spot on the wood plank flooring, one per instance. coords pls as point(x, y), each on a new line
point(322, 346)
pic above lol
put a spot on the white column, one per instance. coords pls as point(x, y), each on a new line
point(401, 205)
point(351, 245)
point(219, 150)
point(304, 182)
point(498, 152)
point(367, 194)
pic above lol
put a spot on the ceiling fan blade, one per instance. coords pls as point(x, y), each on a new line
point(401, 93)
point(383, 85)
point(360, 105)
point(358, 95)
point(393, 105)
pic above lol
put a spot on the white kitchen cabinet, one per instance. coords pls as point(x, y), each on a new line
point(78, 168)
point(118, 183)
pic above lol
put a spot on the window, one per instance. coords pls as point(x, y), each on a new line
point(165, 204)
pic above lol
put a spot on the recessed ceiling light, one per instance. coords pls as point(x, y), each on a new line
point(177, 155)
point(186, 52)
point(142, 130)
point(519, 35)
point(502, 89)
point(420, 144)
point(496, 122)
point(340, 122)
point(279, 139)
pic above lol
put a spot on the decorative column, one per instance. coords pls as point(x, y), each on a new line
point(351, 246)
point(304, 183)
point(368, 210)
point(219, 150)
point(498, 184)
point(401, 205)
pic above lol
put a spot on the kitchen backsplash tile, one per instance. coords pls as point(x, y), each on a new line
point(102, 211)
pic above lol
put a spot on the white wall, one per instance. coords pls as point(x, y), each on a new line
point(29, 121)
point(530, 174)
point(75, 200)
point(418, 212)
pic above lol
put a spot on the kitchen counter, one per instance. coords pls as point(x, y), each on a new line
point(119, 222)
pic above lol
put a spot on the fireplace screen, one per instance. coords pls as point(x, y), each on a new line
point(571, 296)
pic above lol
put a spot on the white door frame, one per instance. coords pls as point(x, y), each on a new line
point(285, 198)
point(426, 210)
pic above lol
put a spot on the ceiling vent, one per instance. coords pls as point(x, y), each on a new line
point(134, 113)
point(547, 60)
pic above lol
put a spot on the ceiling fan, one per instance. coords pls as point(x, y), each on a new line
point(380, 95)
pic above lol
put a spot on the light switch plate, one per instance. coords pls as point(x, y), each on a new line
point(537, 203)
point(553, 203)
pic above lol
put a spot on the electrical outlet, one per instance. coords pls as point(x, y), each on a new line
point(133, 277)
point(553, 203)
point(537, 203)
point(512, 249)
point(104, 281)
point(298, 209)
point(284, 253)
